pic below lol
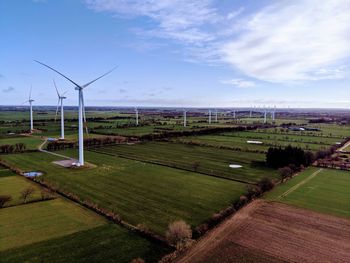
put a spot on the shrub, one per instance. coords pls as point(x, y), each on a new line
point(137, 260)
point(26, 193)
point(285, 172)
point(178, 233)
point(265, 184)
point(4, 199)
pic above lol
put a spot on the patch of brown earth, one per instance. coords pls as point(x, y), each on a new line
point(273, 232)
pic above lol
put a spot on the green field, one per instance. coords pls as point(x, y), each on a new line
point(321, 190)
point(14, 185)
point(30, 223)
point(106, 243)
point(206, 160)
point(61, 231)
point(31, 142)
point(141, 193)
point(239, 140)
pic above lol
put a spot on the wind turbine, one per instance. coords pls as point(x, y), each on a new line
point(81, 114)
point(251, 112)
point(216, 115)
point(61, 97)
point(30, 100)
point(137, 116)
point(265, 115)
point(209, 116)
point(185, 118)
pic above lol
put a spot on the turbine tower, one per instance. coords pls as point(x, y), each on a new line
point(216, 115)
point(185, 118)
point(81, 114)
point(251, 112)
point(30, 100)
point(209, 116)
point(265, 116)
point(234, 114)
point(137, 116)
point(61, 97)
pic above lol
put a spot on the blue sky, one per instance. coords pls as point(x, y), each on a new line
point(200, 53)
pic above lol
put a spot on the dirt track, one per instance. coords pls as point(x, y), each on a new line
point(274, 232)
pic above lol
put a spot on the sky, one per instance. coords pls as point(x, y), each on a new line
point(182, 53)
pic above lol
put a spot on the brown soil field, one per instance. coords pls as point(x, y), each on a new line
point(273, 232)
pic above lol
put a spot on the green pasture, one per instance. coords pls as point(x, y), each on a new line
point(35, 222)
point(206, 160)
point(31, 142)
point(14, 185)
point(141, 193)
point(325, 191)
point(105, 243)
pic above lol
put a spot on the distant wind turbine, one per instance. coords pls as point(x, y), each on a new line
point(185, 118)
point(209, 116)
point(82, 116)
point(216, 115)
point(61, 97)
point(30, 100)
point(137, 116)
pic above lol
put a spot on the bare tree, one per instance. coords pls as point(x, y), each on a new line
point(4, 199)
point(178, 233)
point(26, 193)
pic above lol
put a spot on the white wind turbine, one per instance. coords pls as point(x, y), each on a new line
point(216, 115)
point(185, 118)
point(80, 89)
point(30, 100)
point(209, 116)
point(137, 116)
point(61, 97)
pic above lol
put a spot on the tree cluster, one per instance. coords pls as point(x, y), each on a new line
point(281, 157)
point(12, 148)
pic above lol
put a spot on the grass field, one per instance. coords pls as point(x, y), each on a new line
point(141, 193)
point(239, 140)
point(31, 142)
point(30, 223)
point(14, 185)
point(321, 190)
point(209, 160)
point(106, 243)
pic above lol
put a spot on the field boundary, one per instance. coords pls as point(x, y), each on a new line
point(295, 187)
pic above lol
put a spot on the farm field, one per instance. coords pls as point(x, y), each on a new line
point(274, 232)
point(105, 243)
point(206, 160)
point(58, 230)
point(239, 140)
point(141, 193)
point(31, 142)
point(321, 190)
point(13, 185)
point(47, 219)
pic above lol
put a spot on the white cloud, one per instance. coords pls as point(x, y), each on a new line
point(176, 19)
point(293, 40)
point(240, 83)
point(300, 40)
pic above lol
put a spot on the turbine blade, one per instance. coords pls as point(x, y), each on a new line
point(58, 73)
point(58, 103)
point(87, 84)
point(30, 92)
point(64, 93)
point(54, 83)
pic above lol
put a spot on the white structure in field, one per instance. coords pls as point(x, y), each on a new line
point(81, 114)
point(209, 116)
point(61, 97)
point(216, 115)
point(30, 100)
point(137, 116)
